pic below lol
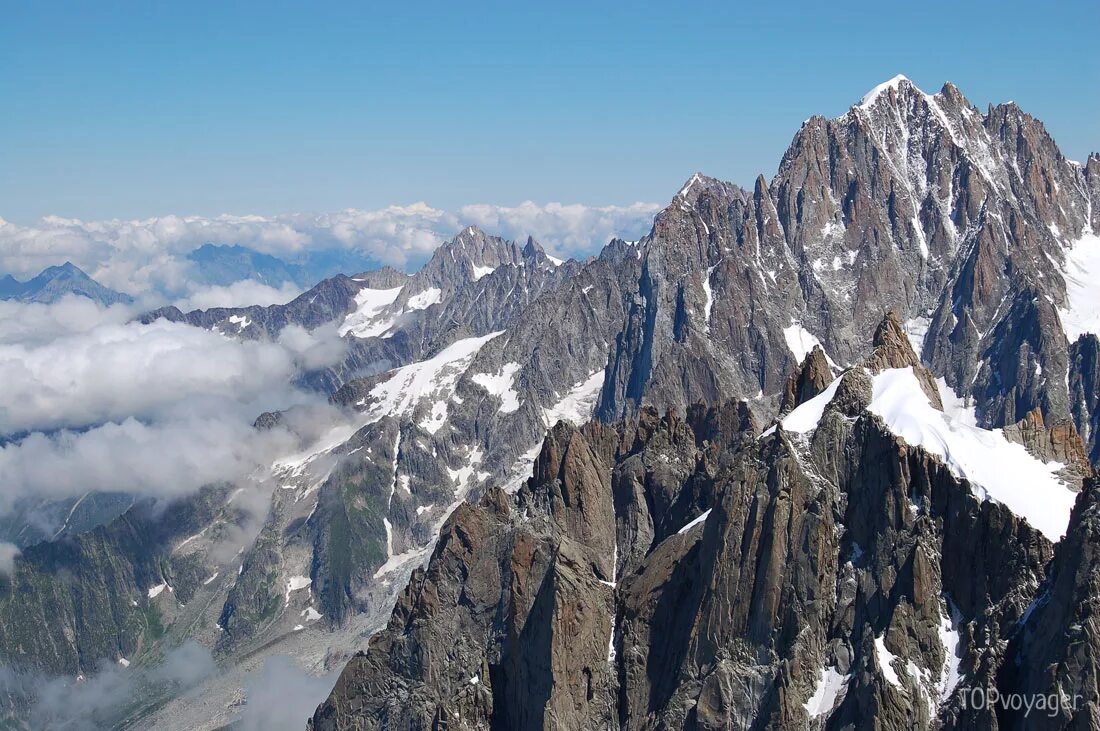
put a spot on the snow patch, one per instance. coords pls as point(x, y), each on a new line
point(431, 378)
point(576, 406)
point(480, 271)
point(997, 469)
point(296, 583)
point(501, 385)
point(830, 687)
point(710, 298)
point(872, 96)
point(950, 675)
point(1082, 272)
point(240, 321)
point(916, 328)
point(799, 340)
point(958, 408)
point(885, 661)
point(807, 416)
point(425, 299)
point(364, 321)
point(701, 518)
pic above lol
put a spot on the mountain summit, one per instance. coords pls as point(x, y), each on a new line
point(55, 282)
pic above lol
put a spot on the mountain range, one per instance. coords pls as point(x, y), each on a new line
point(808, 454)
point(55, 282)
point(224, 264)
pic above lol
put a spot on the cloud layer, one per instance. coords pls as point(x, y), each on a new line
point(114, 371)
point(239, 294)
point(96, 403)
point(143, 256)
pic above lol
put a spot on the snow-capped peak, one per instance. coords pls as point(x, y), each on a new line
point(870, 97)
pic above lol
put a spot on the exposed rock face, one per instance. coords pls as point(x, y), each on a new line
point(520, 621)
point(1058, 443)
point(811, 378)
point(916, 203)
point(55, 619)
point(1056, 648)
point(1084, 389)
point(685, 574)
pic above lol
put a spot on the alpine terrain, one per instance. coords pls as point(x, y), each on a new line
point(815, 454)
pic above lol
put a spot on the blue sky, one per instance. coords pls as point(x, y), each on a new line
point(141, 109)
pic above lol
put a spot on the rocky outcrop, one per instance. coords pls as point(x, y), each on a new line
point(910, 202)
point(811, 378)
point(1059, 443)
point(1054, 653)
point(665, 573)
point(1084, 391)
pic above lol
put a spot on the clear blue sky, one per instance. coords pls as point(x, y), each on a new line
point(145, 108)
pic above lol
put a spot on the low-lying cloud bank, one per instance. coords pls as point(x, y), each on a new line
point(93, 402)
point(149, 256)
point(280, 696)
point(239, 294)
point(99, 701)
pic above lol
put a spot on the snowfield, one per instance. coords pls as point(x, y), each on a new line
point(996, 468)
point(365, 321)
point(1082, 272)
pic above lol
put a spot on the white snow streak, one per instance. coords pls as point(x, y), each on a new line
point(501, 385)
point(1082, 273)
point(701, 518)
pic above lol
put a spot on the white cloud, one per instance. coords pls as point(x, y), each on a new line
point(102, 700)
point(94, 402)
point(567, 230)
point(239, 294)
point(8, 552)
point(149, 255)
point(36, 323)
point(282, 696)
point(160, 460)
point(113, 371)
point(314, 349)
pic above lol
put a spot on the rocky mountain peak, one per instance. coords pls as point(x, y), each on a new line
point(812, 377)
point(55, 282)
point(890, 90)
point(532, 249)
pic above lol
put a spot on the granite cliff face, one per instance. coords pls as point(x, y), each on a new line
point(965, 224)
point(665, 572)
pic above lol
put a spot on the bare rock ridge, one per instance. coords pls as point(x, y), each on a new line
point(669, 573)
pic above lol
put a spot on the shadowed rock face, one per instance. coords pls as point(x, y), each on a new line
point(1055, 650)
point(573, 605)
point(662, 573)
point(811, 378)
point(915, 203)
